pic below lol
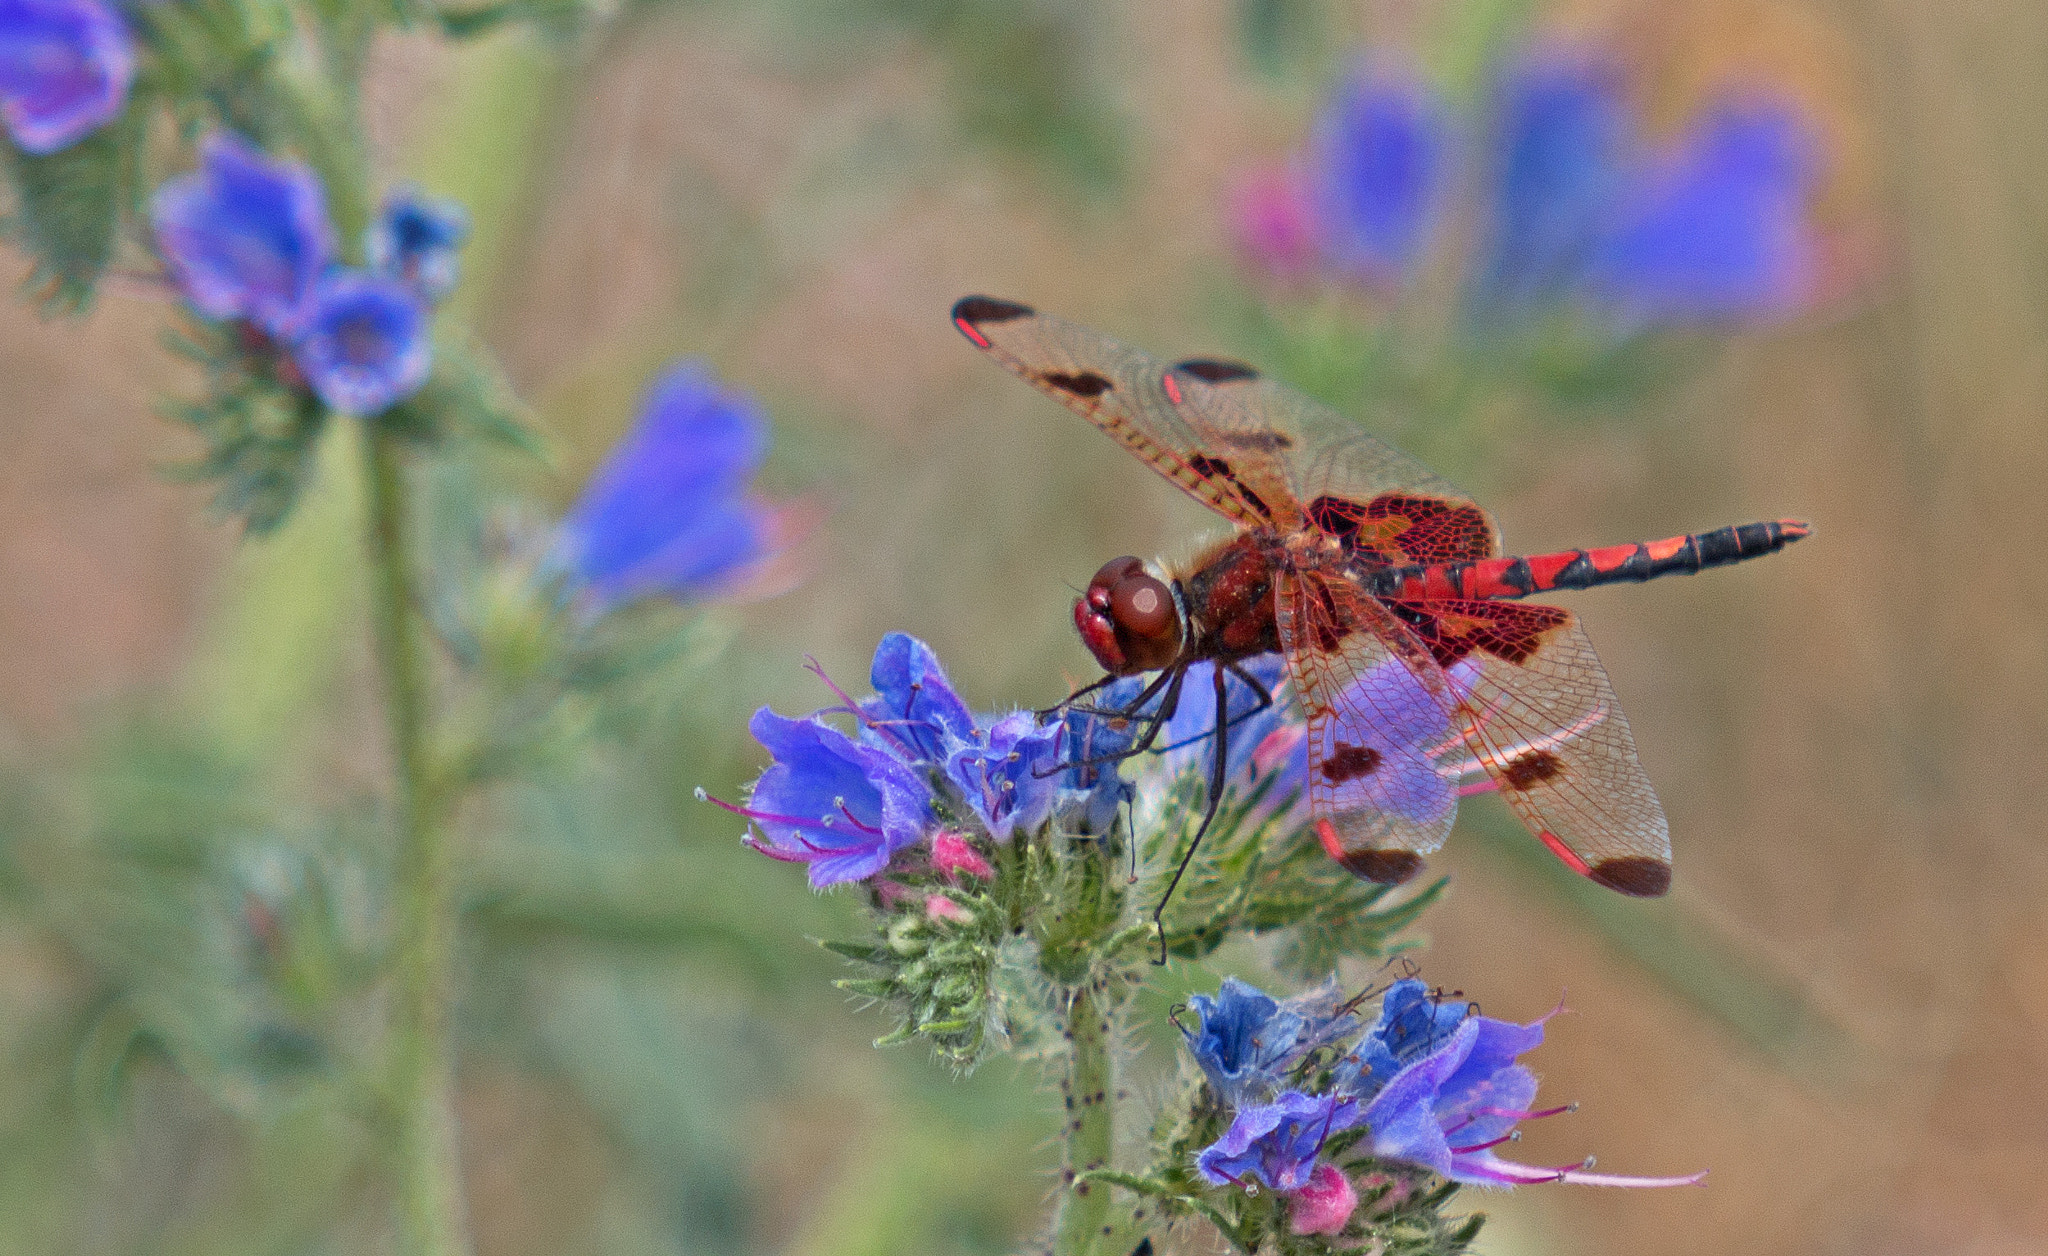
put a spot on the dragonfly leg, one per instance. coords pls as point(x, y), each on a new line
point(1218, 766)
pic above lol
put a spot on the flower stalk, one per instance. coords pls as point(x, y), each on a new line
point(431, 1220)
point(1089, 1089)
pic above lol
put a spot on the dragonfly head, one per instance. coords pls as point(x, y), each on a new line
point(1129, 619)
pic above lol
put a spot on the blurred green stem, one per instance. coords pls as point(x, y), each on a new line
point(431, 1218)
point(1091, 1129)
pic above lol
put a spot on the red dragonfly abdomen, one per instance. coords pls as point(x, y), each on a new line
point(1508, 578)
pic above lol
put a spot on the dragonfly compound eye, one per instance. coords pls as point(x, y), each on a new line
point(1147, 622)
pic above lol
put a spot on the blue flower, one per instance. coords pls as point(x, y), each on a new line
point(1006, 773)
point(829, 801)
point(668, 513)
point(1462, 1094)
point(1378, 168)
point(1563, 161)
point(1188, 738)
point(415, 238)
point(1092, 780)
point(246, 236)
point(1411, 1025)
point(1276, 1144)
point(366, 343)
point(65, 70)
point(915, 710)
point(1721, 231)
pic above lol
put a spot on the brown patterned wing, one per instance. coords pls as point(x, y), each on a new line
point(1121, 390)
point(1540, 715)
point(1350, 484)
point(1384, 748)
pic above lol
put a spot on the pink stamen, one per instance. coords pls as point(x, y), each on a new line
point(770, 817)
point(857, 823)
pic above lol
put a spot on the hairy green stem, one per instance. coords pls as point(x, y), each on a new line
point(431, 1219)
point(1090, 1089)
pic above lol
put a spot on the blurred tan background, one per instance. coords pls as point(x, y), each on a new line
point(1849, 739)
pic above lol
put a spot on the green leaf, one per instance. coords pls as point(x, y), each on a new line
point(68, 209)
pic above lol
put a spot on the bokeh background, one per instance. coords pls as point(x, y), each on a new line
point(1842, 1009)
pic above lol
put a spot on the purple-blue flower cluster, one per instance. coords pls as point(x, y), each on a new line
point(65, 70)
point(1579, 207)
point(847, 803)
point(247, 237)
point(1432, 1083)
point(670, 513)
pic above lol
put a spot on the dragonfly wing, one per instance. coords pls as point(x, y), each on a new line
point(1380, 502)
point(1540, 716)
point(1121, 390)
point(1383, 739)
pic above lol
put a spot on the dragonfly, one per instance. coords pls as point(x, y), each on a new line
point(1406, 636)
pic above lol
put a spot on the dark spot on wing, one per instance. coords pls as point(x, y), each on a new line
point(1525, 771)
point(1386, 867)
point(1215, 372)
point(1262, 439)
point(1349, 762)
point(1639, 875)
point(1205, 466)
point(988, 310)
point(1079, 383)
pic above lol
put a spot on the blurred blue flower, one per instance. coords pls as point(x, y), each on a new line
point(1276, 1144)
point(1379, 165)
point(915, 710)
point(1006, 773)
point(415, 238)
point(668, 513)
point(1562, 162)
point(1459, 1092)
point(366, 342)
point(829, 801)
point(1721, 232)
point(246, 236)
point(65, 70)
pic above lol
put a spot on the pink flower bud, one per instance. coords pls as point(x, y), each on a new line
point(952, 855)
point(1325, 1203)
point(939, 907)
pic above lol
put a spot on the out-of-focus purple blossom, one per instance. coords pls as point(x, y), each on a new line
point(669, 514)
point(1379, 165)
point(1578, 207)
point(1245, 1040)
point(416, 238)
point(1274, 223)
point(246, 236)
point(1276, 1144)
point(1561, 161)
point(914, 709)
point(366, 344)
point(1720, 231)
point(829, 801)
point(1459, 1094)
point(65, 70)
point(1006, 773)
